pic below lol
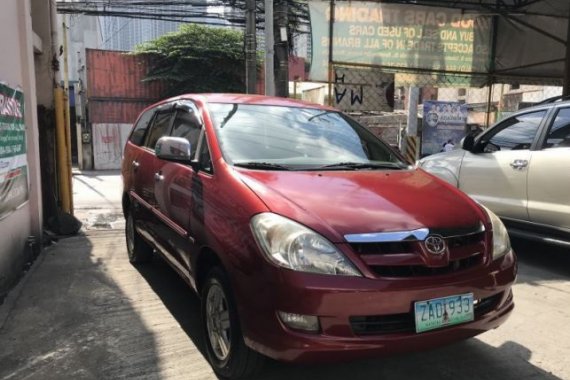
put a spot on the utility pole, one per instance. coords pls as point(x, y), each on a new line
point(67, 114)
point(281, 49)
point(269, 74)
point(566, 88)
point(250, 48)
point(63, 146)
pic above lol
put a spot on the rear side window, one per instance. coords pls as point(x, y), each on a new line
point(518, 132)
point(559, 132)
point(160, 127)
point(141, 126)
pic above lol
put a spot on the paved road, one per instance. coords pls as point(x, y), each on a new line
point(85, 313)
point(97, 199)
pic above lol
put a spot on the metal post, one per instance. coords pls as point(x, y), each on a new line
point(281, 49)
point(331, 35)
point(269, 73)
point(250, 48)
point(411, 148)
point(295, 88)
point(413, 100)
point(61, 148)
point(566, 88)
point(67, 119)
point(489, 100)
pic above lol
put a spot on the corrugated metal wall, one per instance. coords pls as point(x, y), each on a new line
point(116, 95)
point(115, 90)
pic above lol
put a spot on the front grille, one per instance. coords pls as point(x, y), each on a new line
point(487, 304)
point(423, 271)
point(405, 323)
point(407, 259)
point(460, 241)
point(383, 324)
point(383, 248)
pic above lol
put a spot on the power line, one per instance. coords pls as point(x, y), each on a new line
point(193, 11)
point(117, 32)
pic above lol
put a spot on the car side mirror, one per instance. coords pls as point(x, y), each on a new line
point(468, 143)
point(176, 149)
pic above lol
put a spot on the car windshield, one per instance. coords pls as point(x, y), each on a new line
point(294, 138)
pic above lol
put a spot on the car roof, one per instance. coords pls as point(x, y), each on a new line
point(250, 99)
point(543, 106)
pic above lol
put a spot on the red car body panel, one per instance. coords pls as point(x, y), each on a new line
point(198, 212)
point(348, 202)
point(336, 300)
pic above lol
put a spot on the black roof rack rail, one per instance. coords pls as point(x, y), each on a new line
point(553, 99)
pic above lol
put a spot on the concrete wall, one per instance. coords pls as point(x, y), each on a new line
point(108, 144)
point(17, 70)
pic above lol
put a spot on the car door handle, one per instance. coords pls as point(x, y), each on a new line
point(519, 164)
point(158, 177)
point(135, 164)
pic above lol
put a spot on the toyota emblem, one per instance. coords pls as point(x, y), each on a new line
point(435, 244)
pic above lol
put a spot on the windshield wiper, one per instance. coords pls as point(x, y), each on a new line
point(318, 115)
point(361, 165)
point(262, 165)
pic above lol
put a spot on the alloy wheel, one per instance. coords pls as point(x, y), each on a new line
point(218, 322)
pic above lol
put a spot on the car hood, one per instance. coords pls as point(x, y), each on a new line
point(336, 203)
point(445, 165)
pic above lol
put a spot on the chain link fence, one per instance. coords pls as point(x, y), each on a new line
point(379, 97)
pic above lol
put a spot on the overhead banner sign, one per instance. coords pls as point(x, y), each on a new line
point(13, 159)
point(443, 126)
point(396, 35)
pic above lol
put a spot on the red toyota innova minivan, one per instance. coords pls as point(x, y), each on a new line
point(307, 238)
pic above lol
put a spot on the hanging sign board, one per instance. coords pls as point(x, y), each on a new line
point(443, 126)
point(13, 158)
point(396, 35)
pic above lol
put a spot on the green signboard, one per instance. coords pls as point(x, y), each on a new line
point(399, 36)
point(13, 158)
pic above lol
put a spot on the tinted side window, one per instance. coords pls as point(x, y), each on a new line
point(186, 125)
point(517, 132)
point(559, 133)
point(140, 128)
point(159, 128)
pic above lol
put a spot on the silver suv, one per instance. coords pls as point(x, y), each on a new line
point(520, 169)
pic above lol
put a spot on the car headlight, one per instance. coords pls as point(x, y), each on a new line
point(291, 245)
point(501, 241)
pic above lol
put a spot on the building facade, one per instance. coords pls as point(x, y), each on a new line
point(26, 77)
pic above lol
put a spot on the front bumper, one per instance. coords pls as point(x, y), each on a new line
point(334, 299)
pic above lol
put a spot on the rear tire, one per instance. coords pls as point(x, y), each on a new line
point(227, 352)
point(138, 249)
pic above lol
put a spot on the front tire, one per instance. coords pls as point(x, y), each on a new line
point(227, 352)
point(138, 249)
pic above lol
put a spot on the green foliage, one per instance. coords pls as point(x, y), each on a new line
point(197, 59)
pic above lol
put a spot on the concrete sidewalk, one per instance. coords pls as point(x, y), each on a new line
point(97, 199)
point(84, 312)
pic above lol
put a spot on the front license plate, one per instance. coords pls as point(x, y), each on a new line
point(441, 312)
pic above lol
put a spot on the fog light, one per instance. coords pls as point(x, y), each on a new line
point(308, 323)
